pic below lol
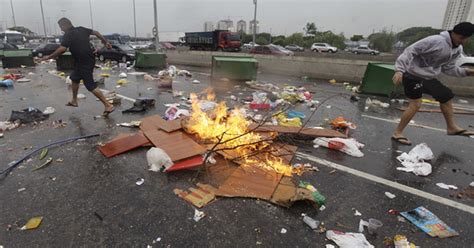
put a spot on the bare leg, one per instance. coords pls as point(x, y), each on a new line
point(413, 107)
point(98, 94)
point(75, 89)
point(448, 112)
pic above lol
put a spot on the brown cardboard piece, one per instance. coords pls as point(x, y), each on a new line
point(155, 122)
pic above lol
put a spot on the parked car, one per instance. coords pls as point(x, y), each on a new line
point(465, 60)
point(294, 48)
point(121, 53)
point(323, 47)
point(365, 50)
point(45, 49)
point(167, 46)
point(250, 45)
point(139, 45)
point(271, 50)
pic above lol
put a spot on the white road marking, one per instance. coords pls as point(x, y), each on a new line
point(395, 185)
point(410, 124)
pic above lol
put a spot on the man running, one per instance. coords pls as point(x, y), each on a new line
point(77, 40)
point(420, 64)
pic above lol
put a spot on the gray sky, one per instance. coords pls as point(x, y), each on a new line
point(281, 17)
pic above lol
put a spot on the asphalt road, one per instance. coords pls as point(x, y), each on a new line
point(91, 201)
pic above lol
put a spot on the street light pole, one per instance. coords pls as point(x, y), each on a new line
point(13, 13)
point(90, 11)
point(44, 23)
point(135, 21)
point(157, 41)
point(255, 22)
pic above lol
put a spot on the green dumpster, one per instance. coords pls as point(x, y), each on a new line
point(234, 67)
point(378, 80)
point(17, 58)
point(65, 62)
point(150, 60)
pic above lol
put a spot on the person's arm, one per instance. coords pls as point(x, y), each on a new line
point(102, 38)
point(60, 50)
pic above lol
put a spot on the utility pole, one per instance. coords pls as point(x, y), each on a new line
point(135, 21)
point(44, 23)
point(255, 22)
point(13, 13)
point(155, 29)
point(90, 11)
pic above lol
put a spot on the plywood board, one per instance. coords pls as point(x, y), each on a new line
point(155, 122)
point(123, 144)
point(176, 144)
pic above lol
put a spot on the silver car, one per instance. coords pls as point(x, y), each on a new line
point(365, 50)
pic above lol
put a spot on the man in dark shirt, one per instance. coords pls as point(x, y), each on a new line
point(77, 40)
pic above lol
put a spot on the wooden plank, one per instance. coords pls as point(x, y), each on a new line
point(155, 122)
point(123, 144)
point(312, 132)
point(177, 144)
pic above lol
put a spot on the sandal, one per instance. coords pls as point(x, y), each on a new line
point(463, 132)
point(108, 112)
point(402, 140)
point(69, 104)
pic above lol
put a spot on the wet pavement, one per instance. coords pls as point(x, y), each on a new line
point(89, 200)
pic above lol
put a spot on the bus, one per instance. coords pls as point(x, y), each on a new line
point(12, 37)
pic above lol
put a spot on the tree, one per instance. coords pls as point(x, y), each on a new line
point(296, 38)
point(382, 41)
point(310, 29)
point(411, 35)
point(357, 37)
point(261, 40)
point(329, 37)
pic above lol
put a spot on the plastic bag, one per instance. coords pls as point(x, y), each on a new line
point(348, 240)
point(49, 110)
point(349, 146)
point(6, 83)
point(123, 75)
point(28, 115)
point(158, 160)
point(414, 161)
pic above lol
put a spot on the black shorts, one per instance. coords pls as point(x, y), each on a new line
point(415, 87)
point(85, 74)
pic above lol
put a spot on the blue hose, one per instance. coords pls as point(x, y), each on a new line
point(17, 162)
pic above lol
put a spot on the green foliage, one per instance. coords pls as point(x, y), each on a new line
point(261, 40)
point(357, 37)
point(411, 35)
point(310, 28)
point(469, 47)
point(382, 41)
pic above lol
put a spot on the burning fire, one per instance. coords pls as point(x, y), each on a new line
point(231, 132)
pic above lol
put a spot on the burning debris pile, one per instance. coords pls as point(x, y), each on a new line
point(241, 158)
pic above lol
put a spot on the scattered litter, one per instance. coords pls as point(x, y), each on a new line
point(33, 223)
point(414, 161)
point(46, 163)
point(349, 146)
point(7, 125)
point(446, 186)
point(141, 105)
point(104, 75)
point(23, 80)
point(401, 219)
point(22, 189)
point(330, 246)
point(283, 231)
point(463, 101)
point(348, 240)
point(401, 241)
point(356, 212)
point(136, 73)
point(372, 226)
point(314, 224)
point(198, 215)
point(121, 81)
point(199, 197)
point(43, 154)
point(390, 195)
point(1, 135)
point(185, 73)
point(332, 81)
point(429, 223)
point(157, 240)
point(140, 181)
point(471, 184)
point(49, 110)
point(81, 96)
point(158, 160)
point(122, 75)
point(148, 77)
point(195, 81)
point(6, 83)
point(173, 113)
point(59, 160)
point(130, 124)
point(375, 103)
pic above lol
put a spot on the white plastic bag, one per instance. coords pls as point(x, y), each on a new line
point(123, 75)
point(349, 146)
point(158, 159)
point(348, 240)
point(414, 161)
point(49, 110)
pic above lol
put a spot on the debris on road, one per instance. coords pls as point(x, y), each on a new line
point(140, 181)
point(283, 231)
point(414, 161)
point(401, 241)
point(429, 223)
point(314, 224)
point(446, 186)
point(390, 195)
point(349, 146)
point(130, 124)
point(46, 163)
point(49, 110)
point(348, 240)
point(199, 197)
point(198, 215)
point(43, 154)
point(32, 223)
point(28, 115)
point(158, 160)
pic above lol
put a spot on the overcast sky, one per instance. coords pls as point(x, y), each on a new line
point(277, 16)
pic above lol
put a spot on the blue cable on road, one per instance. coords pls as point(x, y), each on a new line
point(17, 162)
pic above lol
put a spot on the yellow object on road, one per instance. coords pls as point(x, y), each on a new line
point(33, 223)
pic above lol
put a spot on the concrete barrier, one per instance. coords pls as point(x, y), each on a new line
point(324, 67)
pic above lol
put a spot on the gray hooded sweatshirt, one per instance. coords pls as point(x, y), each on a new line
point(431, 56)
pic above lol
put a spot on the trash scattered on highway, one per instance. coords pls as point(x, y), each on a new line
point(32, 223)
point(401, 241)
point(415, 160)
point(140, 181)
point(446, 186)
point(429, 223)
point(349, 146)
point(390, 195)
point(348, 240)
point(314, 224)
point(198, 215)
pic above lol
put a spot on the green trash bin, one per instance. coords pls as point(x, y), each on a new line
point(234, 67)
point(150, 60)
point(17, 58)
point(65, 62)
point(378, 80)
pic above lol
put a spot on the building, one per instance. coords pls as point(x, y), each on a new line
point(251, 27)
point(458, 11)
point(209, 27)
point(225, 24)
point(241, 26)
